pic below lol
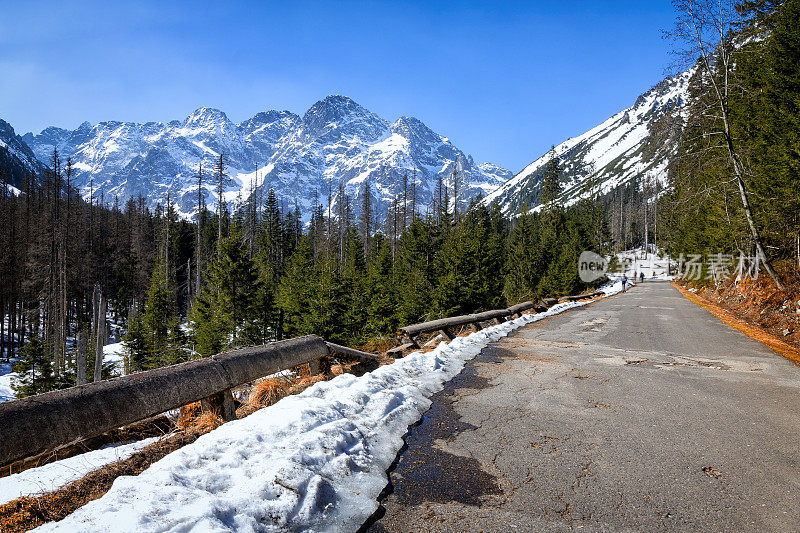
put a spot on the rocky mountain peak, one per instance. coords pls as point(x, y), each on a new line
point(337, 113)
point(206, 116)
point(336, 140)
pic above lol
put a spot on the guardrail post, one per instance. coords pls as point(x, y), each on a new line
point(222, 404)
point(320, 366)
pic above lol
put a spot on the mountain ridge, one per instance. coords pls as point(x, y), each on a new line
point(623, 148)
point(16, 157)
point(300, 157)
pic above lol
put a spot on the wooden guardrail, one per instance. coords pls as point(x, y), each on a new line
point(45, 422)
point(408, 334)
point(581, 296)
point(41, 423)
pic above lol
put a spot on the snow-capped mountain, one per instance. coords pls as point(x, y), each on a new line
point(336, 141)
point(634, 144)
point(16, 158)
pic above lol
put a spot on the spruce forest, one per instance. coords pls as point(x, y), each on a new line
point(740, 149)
point(79, 272)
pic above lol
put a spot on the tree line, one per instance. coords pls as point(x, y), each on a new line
point(253, 272)
point(735, 185)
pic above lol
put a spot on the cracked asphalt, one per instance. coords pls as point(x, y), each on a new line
point(641, 412)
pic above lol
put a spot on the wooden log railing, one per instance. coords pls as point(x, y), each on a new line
point(38, 424)
point(581, 296)
point(408, 334)
point(45, 422)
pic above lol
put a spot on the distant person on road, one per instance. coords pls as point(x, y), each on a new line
point(641, 277)
point(624, 283)
point(634, 276)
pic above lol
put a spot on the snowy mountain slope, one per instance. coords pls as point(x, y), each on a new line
point(300, 157)
point(16, 157)
point(623, 148)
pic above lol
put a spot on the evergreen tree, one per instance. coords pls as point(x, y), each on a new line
point(135, 343)
point(224, 312)
point(34, 370)
point(162, 322)
point(380, 293)
point(551, 183)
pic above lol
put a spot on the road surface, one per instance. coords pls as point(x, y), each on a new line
point(641, 412)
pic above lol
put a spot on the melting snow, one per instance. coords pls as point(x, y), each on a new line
point(314, 461)
point(52, 476)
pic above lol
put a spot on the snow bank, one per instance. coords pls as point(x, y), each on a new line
point(52, 476)
point(315, 461)
point(6, 377)
point(614, 287)
point(114, 356)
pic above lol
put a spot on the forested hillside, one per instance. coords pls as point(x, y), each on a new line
point(740, 150)
point(255, 273)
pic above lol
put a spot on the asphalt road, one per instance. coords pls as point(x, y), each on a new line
point(641, 412)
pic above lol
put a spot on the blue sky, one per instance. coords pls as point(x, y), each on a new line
point(503, 80)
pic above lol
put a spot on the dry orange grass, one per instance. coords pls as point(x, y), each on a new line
point(188, 414)
point(303, 370)
point(207, 421)
point(267, 392)
point(305, 382)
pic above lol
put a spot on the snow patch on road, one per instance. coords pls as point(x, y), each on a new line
point(314, 461)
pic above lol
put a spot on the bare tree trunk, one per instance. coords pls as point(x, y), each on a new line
point(80, 362)
point(747, 210)
point(100, 335)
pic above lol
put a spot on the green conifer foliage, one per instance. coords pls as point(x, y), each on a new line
point(225, 314)
point(135, 343)
point(35, 370)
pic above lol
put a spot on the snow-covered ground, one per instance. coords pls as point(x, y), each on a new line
point(314, 461)
point(52, 476)
point(6, 376)
point(113, 354)
point(653, 263)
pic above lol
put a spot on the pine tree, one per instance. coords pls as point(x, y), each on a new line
point(34, 370)
point(551, 183)
point(380, 292)
point(135, 344)
point(161, 320)
point(223, 315)
point(366, 218)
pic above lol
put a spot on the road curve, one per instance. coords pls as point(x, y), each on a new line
point(641, 412)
